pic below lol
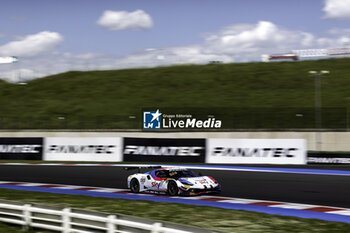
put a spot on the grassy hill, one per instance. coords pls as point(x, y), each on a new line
point(246, 95)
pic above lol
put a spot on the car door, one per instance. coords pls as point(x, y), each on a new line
point(159, 177)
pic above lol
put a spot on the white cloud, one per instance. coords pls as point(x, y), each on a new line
point(239, 42)
point(32, 45)
point(193, 54)
point(261, 36)
point(339, 31)
point(337, 9)
point(235, 43)
point(121, 20)
point(246, 42)
point(19, 75)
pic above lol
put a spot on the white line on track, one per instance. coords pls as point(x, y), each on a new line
point(199, 167)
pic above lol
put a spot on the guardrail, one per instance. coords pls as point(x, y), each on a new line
point(68, 220)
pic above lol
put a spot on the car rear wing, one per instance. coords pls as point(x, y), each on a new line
point(138, 168)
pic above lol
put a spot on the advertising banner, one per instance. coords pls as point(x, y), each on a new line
point(328, 158)
point(256, 151)
point(83, 149)
point(21, 148)
point(164, 150)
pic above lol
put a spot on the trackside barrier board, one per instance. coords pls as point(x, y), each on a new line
point(17, 148)
point(103, 149)
point(177, 150)
point(256, 151)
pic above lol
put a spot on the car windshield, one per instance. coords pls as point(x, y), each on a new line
point(181, 173)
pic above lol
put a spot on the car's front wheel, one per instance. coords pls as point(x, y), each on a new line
point(134, 185)
point(173, 190)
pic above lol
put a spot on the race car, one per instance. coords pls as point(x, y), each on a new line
point(173, 181)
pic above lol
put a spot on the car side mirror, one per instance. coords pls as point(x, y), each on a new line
point(148, 177)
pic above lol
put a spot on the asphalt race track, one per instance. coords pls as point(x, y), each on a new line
point(329, 190)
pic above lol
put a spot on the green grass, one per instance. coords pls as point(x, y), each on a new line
point(205, 217)
point(244, 95)
point(7, 228)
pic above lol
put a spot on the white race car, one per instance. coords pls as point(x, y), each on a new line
point(173, 181)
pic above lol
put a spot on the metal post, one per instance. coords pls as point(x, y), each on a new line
point(318, 107)
point(318, 111)
point(27, 216)
point(157, 226)
point(66, 221)
point(318, 102)
point(111, 226)
point(347, 119)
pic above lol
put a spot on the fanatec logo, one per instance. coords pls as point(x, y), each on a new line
point(254, 152)
point(20, 148)
point(81, 149)
point(163, 150)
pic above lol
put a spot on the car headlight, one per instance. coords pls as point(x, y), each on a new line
point(213, 180)
point(186, 183)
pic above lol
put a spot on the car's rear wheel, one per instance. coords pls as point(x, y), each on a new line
point(173, 190)
point(134, 186)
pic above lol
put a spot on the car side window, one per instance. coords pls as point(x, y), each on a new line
point(161, 174)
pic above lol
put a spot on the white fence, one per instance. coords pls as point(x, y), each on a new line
point(69, 220)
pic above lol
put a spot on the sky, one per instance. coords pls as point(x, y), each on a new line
point(54, 36)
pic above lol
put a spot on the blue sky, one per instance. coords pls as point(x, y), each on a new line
point(51, 36)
